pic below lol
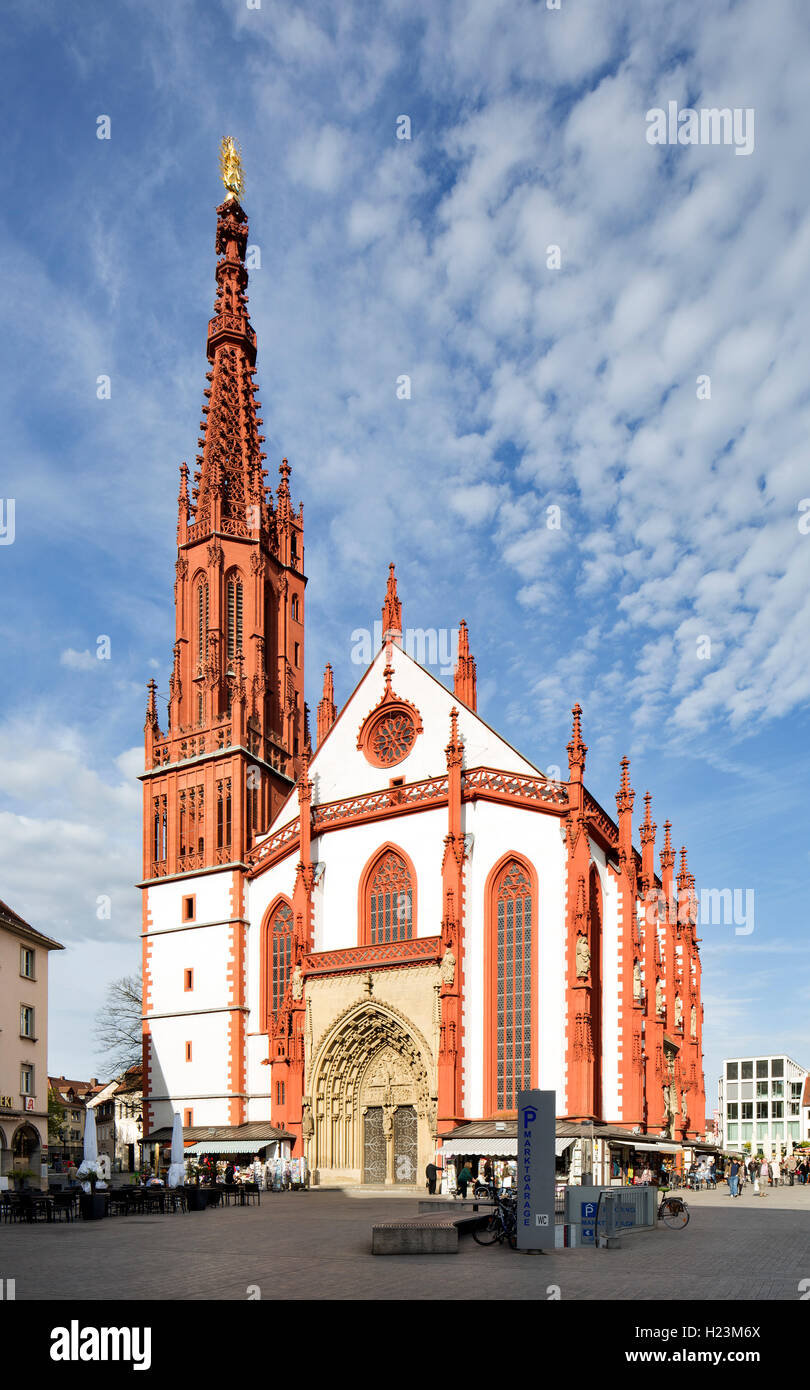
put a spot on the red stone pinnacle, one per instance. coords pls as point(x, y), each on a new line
point(464, 680)
point(392, 610)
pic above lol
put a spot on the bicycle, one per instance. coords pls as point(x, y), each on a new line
point(673, 1211)
point(501, 1224)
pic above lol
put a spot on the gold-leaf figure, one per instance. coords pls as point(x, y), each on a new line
point(230, 167)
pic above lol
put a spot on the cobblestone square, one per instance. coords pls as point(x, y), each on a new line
point(317, 1245)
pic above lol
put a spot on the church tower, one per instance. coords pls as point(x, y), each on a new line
point(236, 724)
point(236, 733)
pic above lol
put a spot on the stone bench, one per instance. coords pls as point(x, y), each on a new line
point(422, 1235)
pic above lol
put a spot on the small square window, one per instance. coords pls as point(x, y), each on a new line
point(189, 908)
point(189, 980)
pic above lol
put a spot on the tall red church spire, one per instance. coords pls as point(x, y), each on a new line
point(236, 693)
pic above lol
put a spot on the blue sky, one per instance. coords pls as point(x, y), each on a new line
point(531, 387)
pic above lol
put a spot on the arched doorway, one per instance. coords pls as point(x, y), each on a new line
point(25, 1149)
point(373, 1101)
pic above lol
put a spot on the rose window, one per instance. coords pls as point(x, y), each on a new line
point(392, 738)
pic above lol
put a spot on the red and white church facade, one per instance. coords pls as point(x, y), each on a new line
point(370, 942)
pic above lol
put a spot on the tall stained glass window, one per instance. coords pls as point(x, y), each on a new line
point(281, 947)
point(513, 928)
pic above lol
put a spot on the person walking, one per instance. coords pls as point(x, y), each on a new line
point(734, 1178)
point(764, 1176)
point(430, 1173)
point(463, 1178)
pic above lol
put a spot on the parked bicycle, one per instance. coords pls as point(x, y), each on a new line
point(673, 1211)
point(501, 1225)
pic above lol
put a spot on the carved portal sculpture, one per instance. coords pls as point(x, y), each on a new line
point(678, 1011)
point(659, 998)
point(448, 968)
point(636, 980)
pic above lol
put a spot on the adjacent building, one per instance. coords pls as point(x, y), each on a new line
point(24, 956)
point(760, 1103)
point(118, 1108)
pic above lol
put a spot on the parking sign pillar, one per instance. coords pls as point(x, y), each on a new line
point(535, 1177)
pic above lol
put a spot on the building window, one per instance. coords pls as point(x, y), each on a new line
point(189, 908)
point(159, 822)
point(732, 1070)
point(762, 1109)
point(26, 1021)
point(732, 1134)
point(777, 1088)
point(732, 1112)
point(732, 1091)
point(27, 962)
point(282, 942)
point(747, 1110)
point(778, 1066)
point(795, 1090)
point(762, 1088)
point(188, 1119)
point(224, 814)
point(188, 980)
point(26, 1080)
point(297, 654)
point(202, 625)
point(747, 1071)
point(762, 1068)
point(388, 913)
point(188, 1051)
point(234, 617)
point(281, 1091)
point(294, 608)
point(510, 953)
point(777, 1109)
point(192, 821)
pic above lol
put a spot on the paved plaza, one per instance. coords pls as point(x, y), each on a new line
point(317, 1245)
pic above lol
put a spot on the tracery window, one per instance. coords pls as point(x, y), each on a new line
point(234, 616)
point(224, 813)
point(202, 624)
point(389, 900)
point(510, 954)
point(281, 938)
point(392, 738)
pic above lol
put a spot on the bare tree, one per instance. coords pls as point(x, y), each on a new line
point(118, 1024)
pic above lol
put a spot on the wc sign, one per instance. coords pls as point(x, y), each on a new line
point(535, 1176)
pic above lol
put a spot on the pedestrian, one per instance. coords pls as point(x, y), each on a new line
point(463, 1178)
point(646, 1176)
point(734, 1178)
point(431, 1172)
point(489, 1171)
point(230, 1173)
point(764, 1176)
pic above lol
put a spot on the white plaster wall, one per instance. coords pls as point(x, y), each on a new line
point(500, 830)
point(203, 947)
point(340, 769)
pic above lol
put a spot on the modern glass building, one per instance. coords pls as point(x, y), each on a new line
point(760, 1102)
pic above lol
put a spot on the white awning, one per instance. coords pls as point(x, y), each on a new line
point(479, 1148)
point(560, 1145)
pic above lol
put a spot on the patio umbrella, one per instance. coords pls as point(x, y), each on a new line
point(177, 1167)
point(89, 1161)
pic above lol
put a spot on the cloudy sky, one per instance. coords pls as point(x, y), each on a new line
point(671, 600)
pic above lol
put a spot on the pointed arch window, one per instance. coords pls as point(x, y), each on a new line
point(510, 970)
point(281, 943)
point(202, 624)
point(388, 910)
point(233, 599)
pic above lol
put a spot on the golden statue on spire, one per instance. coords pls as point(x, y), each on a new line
point(230, 167)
